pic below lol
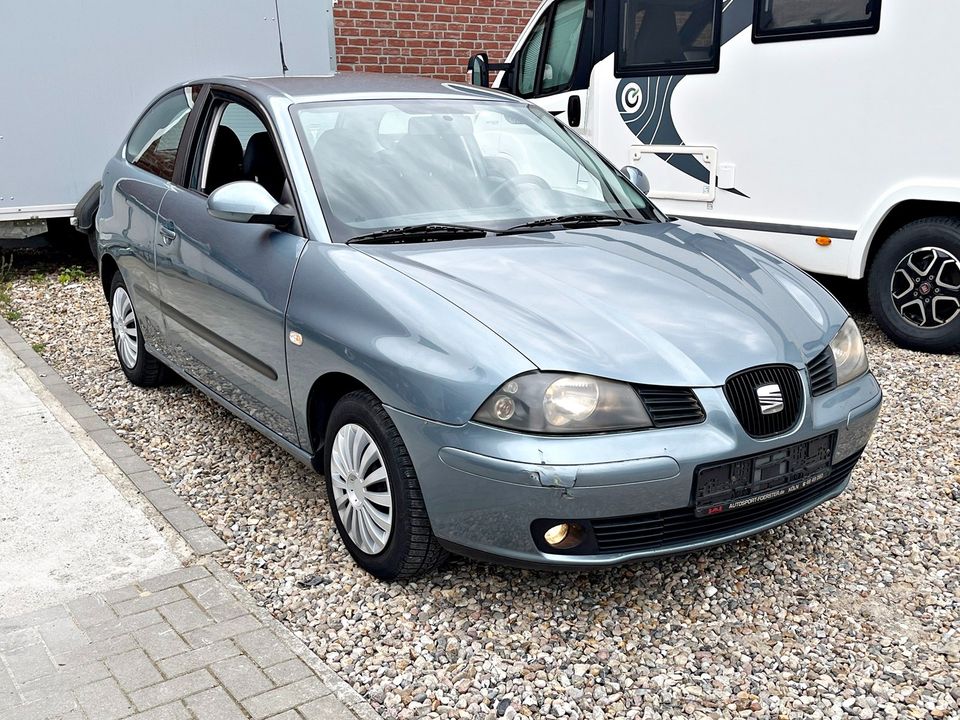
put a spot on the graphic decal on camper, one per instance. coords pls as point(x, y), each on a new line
point(645, 103)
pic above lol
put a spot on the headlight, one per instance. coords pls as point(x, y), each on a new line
point(849, 353)
point(558, 403)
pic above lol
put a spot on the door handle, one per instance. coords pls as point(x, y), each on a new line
point(167, 235)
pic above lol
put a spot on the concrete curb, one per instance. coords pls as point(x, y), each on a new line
point(180, 516)
point(184, 519)
point(341, 689)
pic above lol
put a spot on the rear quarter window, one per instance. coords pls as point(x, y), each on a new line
point(154, 141)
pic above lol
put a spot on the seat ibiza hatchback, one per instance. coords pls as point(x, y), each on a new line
point(484, 336)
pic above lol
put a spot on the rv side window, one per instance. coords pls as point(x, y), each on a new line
point(529, 57)
point(154, 141)
point(668, 37)
point(543, 73)
point(779, 20)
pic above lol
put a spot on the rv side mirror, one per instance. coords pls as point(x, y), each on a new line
point(479, 69)
point(637, 178)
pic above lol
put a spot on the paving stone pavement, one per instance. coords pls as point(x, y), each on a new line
point(187, 645)
point(190, 644)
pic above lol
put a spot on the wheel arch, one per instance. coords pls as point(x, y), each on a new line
point(324, 394)
point(902, 206)
point(108, 268)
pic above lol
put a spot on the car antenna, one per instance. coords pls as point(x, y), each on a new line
point(283, 60)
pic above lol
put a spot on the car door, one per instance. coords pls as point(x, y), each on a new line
point(134, 183)
point(224, 285)
point(552, 66)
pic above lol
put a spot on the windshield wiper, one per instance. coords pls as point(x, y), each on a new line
point(428, 232)
point(574, 220)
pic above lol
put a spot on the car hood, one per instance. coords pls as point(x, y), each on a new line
point(665, 304)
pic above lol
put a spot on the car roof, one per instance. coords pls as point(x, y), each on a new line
point(357, 86)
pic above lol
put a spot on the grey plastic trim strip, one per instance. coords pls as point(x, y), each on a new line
point(567, 476)
point(811, 230)
point(219, 342)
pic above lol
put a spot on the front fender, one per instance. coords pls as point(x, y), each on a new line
point(416, 351)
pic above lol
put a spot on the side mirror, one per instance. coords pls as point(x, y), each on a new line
point(479, 69)
point(247, 202)
point(637, 178)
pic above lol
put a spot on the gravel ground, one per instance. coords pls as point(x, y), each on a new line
point(850, 611)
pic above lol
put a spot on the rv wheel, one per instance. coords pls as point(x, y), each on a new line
point(914, 285)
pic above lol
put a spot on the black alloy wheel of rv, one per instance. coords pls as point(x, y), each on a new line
point(914, 285)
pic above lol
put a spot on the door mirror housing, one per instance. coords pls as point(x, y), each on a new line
point(479, 69)
point(247, 202)
point(637, 178)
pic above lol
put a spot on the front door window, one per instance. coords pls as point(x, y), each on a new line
point(240, 148)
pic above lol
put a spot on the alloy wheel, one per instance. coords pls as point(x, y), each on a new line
point(361, 489)
point(925, 287)
point(125, 331)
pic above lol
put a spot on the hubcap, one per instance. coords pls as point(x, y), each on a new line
point(360, 488)
point(125, 332)
point(926, 288)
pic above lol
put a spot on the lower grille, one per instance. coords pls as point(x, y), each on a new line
point(743, 394)
point(679, 527)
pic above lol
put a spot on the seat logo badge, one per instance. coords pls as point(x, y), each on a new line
point(771, 399)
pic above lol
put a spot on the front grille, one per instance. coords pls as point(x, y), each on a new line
point(680, 527)
point(670, 406)
point(823, 372)
point(741, 391)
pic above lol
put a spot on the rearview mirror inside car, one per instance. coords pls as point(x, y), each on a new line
point(248, 202)
point(637, 178)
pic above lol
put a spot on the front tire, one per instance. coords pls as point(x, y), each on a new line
point(374, 492)
point(914, 285)
point(140, 367)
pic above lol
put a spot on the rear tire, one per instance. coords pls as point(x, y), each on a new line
point(914, 285)
point(380, 515)
point(140, 367)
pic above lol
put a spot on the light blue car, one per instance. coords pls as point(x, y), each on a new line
point(483, 335)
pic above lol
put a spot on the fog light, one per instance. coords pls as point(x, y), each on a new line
point(557, 534)
point(564, 536)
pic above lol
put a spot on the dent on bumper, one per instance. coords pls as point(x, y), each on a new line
point(483, 487)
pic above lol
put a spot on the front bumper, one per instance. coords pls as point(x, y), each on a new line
point(484, 487)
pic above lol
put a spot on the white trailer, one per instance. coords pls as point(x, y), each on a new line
point(76, 75)
point(823, 130)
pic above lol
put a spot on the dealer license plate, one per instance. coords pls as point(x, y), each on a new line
point(760, 478)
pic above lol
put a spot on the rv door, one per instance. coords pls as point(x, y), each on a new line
point(551, 67)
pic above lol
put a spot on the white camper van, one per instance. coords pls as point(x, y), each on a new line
point(77, 74)
point(823, 130)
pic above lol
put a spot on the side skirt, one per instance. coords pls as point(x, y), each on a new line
point(311, 461)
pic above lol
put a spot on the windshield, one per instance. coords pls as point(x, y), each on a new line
point(379, 165)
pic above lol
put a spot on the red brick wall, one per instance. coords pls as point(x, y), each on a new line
point(426, 38)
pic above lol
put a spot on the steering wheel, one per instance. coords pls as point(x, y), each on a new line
point(518, 181)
